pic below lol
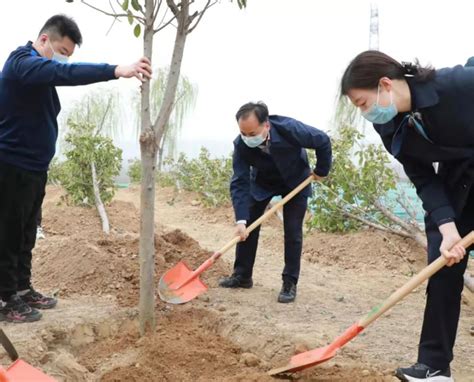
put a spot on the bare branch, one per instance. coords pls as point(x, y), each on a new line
point(396, 219)
point(109, 104)
point(208, 5)
point(111, 25)
point(407, 209)
point(111, 6)
point(163, 26)
point(375, 225)
point(116, 15)
point(157, 10)
point(174, 8)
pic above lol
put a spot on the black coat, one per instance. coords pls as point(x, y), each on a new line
point(444, 106)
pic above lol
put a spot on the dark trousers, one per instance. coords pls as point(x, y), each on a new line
point(21, 195)
point(293, 215)
point(443, 302)
point(39, 217)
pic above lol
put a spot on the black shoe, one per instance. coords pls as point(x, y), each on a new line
point(38, 301)
point(421, 372)
point(235, 281)
point(17, 311)
point(288, 292)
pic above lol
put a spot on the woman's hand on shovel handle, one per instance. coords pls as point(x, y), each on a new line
point(449, 249)
point(241, 230)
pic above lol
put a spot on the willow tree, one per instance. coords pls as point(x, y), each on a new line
point(148, 17)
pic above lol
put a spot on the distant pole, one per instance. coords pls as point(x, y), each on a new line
point(373, 39)
point(374, 27)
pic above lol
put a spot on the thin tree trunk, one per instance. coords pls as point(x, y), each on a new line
point(174, 72)
point(98, 201)
point(147, 196)
point(150, 139)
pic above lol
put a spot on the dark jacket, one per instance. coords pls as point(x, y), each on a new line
point(262, 175)
point(29, 104)
point(444, 107)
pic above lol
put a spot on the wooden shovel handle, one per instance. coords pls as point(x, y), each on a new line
point(415, 281)
point(267, 214)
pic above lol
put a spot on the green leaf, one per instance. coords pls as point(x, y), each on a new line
point(136, 5)
point(130, 17)
point(125, 5)
point(137, 30)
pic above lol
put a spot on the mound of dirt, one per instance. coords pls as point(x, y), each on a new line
point(356, 251)
point(77, 258)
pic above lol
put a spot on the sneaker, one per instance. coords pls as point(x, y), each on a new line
point(235, 281)
point(421, 372)
point(36, 300)
point(40, 233)
point(17, 311)
point(288, 292)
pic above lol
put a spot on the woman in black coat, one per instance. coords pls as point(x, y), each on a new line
point(425, 118)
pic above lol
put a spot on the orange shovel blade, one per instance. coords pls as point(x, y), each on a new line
point(305, 360)
point(3, 375)
point(20, 371)
point(170, 287)
point(320, 355)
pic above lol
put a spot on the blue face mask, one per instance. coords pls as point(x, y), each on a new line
point(58, 57)
point(380, 114)
point(254, 141)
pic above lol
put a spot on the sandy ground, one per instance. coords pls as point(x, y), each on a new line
point(224, 335)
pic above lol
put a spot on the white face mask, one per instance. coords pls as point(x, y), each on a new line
point(61, 58)
point(254, 141)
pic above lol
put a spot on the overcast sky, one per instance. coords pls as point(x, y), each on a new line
point(288, 53)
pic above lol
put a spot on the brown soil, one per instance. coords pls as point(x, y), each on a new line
point(88, 262)
point(224, 335)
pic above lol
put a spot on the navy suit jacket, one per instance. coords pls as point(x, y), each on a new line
point(288, 140)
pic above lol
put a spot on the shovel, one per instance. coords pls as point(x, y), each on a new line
point(180, 284)
point(19, 370)
point(320, 355)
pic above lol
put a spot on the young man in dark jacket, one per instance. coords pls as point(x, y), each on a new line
point(270, 159)
point(29, 106)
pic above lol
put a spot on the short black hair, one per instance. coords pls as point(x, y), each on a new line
point(60, 26)
point(258, 108)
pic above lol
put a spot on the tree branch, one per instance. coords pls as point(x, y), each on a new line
point(174, 8)
point(411, 213)
point(207, 6)
point(109, 104)
point(164, 25)
point(116, 15)
point(377, 226)
point(157, 10)
point(111, 26)
point(396, 219)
